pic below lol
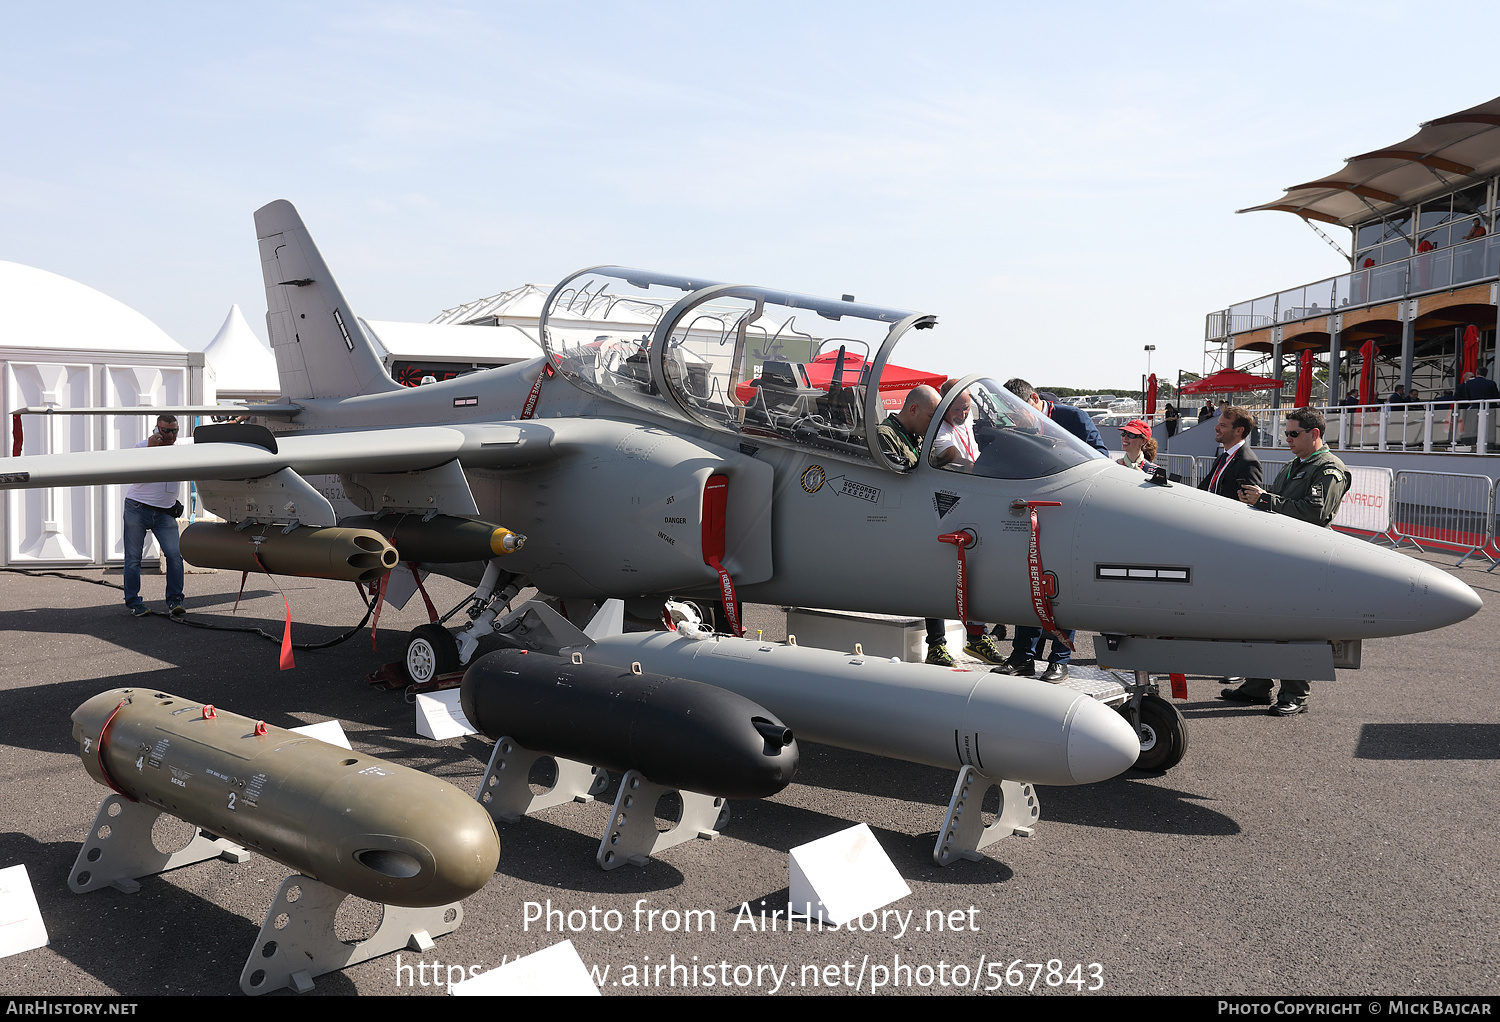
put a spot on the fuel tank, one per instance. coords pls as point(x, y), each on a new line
point(376, 830)
point(679, 733)
point(1012, 728)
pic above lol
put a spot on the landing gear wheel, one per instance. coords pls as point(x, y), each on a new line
point(1163, 732)
point(431, 650)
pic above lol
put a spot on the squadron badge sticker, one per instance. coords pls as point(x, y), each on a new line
point(813, 478)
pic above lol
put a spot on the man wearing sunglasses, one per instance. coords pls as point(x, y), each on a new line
point(1309, 490)
point(154, 508)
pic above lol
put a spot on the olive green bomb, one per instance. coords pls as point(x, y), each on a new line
point(373, 829)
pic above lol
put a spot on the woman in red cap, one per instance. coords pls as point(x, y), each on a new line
point(1140, 448)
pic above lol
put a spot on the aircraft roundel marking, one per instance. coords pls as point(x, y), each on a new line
point(813, 478)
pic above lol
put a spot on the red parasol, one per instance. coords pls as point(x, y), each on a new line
point(1229, 381)
point(1151, 395)
point(1304, 380)
point(1367, 373)
point(1471, 352)
point(895, 381)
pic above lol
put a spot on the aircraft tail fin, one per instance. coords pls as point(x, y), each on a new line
point(321, 348)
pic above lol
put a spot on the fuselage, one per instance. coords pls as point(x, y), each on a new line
point(614, 510)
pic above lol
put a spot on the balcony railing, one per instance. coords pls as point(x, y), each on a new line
point(1467, 427)
point(1438, 270)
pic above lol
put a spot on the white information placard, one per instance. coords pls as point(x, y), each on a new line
point(842, 876)
point(21, 927)
point(440, 716)
point(556, 971)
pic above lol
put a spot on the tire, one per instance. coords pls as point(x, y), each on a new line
point(431, 651)
point(1163, 732)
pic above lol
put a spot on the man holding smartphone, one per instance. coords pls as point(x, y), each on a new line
point(1308, 489)
point(154, 508)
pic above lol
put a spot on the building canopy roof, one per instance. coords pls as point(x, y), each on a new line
point(1441, 156)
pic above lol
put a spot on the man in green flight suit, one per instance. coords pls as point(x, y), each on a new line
point(1309, 490)
point(901, 433)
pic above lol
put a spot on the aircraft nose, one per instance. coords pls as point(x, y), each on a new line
point(1101, 743)
point(1386, 593)
point(1440, 600)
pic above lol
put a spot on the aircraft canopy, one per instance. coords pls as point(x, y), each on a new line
point(761, 364)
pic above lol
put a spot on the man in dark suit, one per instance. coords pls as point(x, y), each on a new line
point(1476, 388)
point(1074, 420)
point(1237, 464)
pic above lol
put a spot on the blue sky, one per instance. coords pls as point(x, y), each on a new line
point(1057, 185)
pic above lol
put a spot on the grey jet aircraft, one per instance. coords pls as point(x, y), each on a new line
point(693, 439)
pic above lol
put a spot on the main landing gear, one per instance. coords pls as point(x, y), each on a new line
point(432, 650)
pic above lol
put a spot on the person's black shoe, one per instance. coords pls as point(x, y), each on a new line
point(1287, 709)
point(1055, 674)
point(1236, 695)
point(1024, 667)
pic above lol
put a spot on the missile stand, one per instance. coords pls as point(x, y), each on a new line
point(297, 940)
point(630, 835)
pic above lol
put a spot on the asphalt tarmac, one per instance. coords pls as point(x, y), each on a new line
point(1350, 850)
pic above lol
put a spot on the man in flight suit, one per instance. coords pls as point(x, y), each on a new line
point(1309, 490)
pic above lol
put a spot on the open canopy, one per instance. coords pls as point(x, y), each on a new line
point(1230, 381)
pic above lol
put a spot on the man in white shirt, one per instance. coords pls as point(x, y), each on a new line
point(153, 507)
point(955, 447)
point(955, 443)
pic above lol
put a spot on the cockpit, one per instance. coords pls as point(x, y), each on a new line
point(784, 368)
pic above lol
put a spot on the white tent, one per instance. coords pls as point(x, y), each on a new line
point(64, 344)
point(243, 367)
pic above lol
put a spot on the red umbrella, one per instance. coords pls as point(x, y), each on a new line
point(1367, 374)
point(1304, 380)
point(1230, 381)
point(1471, 351)
point(895, 380)
point(1151, 395)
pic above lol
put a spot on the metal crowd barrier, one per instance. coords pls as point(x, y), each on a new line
point(1444, 508)
point(1181, 468)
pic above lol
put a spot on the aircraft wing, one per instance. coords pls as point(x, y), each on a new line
point(405, 449)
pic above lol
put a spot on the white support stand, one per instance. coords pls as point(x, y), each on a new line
point(506, 795)
point(964, 832)
point(631, 835)
point(297, 941)
point(118, 850)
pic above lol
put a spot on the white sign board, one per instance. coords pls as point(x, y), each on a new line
point(1367, 505)
point(440, 716)
point(843, 876)
point(21, 926)
point(330, 731)
point(556, 971)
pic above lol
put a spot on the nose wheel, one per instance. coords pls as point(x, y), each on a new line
point(431, 651)
point(1163, 733)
